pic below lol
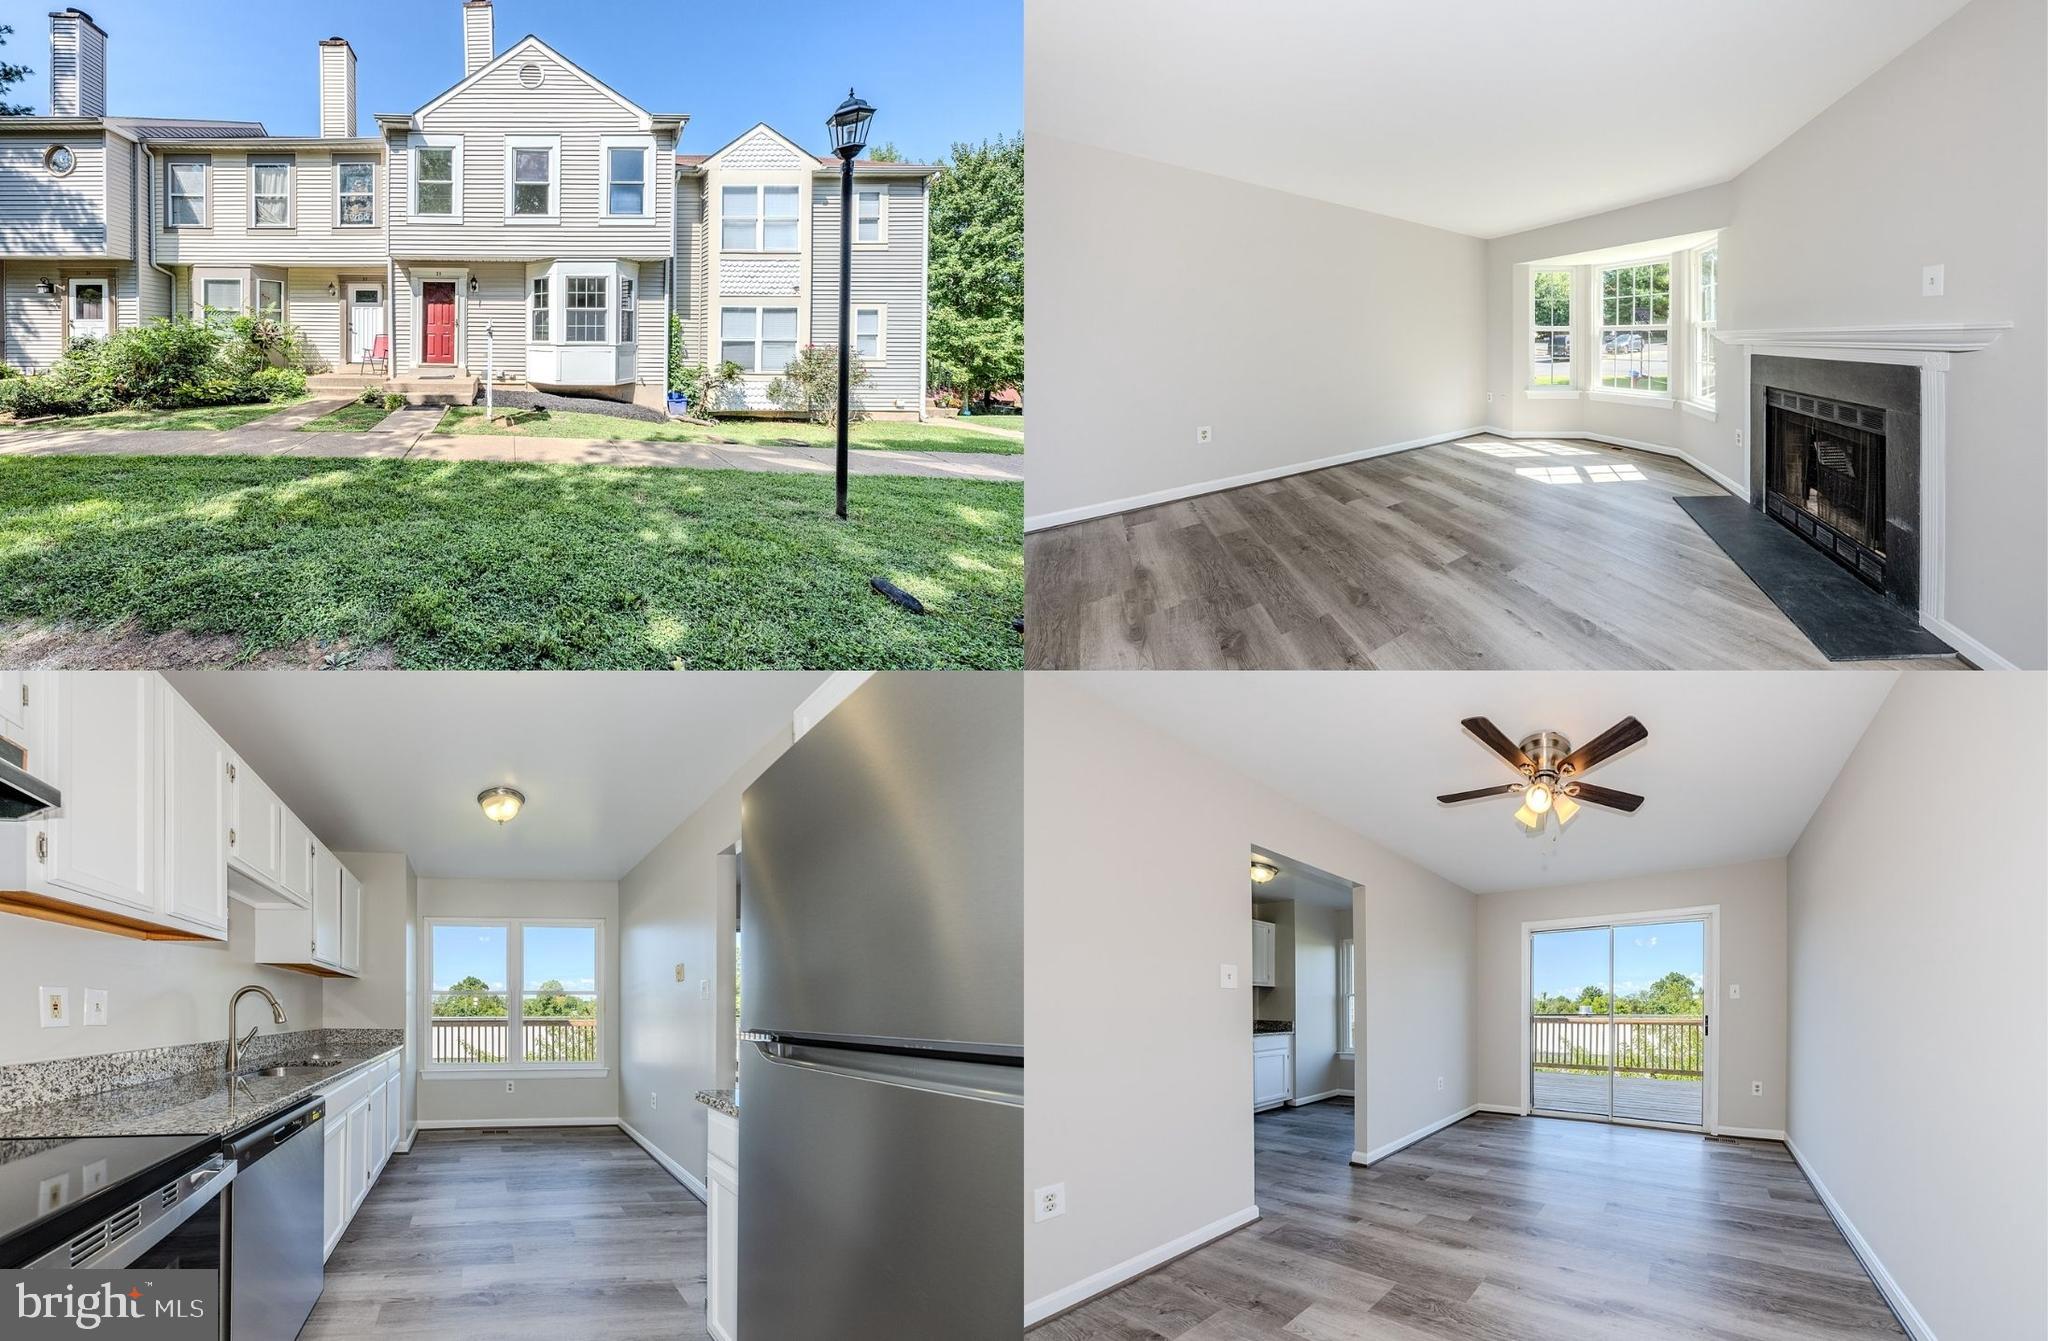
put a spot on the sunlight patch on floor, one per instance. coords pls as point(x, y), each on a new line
point(1531, 447)
point(1571, 474)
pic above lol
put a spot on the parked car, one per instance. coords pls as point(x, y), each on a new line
point(1555, 344)
point(1623, 342)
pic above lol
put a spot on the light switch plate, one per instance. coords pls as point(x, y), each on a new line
point(53, 1007)
point(1230, 975)
point(95, 1006)
point(1933, 278)
point(1735, 991)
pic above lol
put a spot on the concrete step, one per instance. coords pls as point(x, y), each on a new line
point(435, 390)
point(321, 383)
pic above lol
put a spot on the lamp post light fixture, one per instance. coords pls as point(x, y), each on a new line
point(849, 125)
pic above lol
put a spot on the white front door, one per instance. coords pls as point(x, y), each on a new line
point(91, 300)
point(365, 319)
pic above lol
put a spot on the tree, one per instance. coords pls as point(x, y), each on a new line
point(551, 998)
point(977, 268)
point(10, 75)
point(471, 996)
point(885, 152)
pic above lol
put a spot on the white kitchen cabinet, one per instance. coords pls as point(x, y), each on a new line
point(296, 880)
point(1272, 1070)
point(334, 1180)
point(324, 937)
point(193, 858)
point(97, 736)
point(361, 1169)
point(361, 1110)
point(255, 823)
point(14, 706)
point(1265, 953)
point(722, 1232)
point(394, 1120)
point(326, 906)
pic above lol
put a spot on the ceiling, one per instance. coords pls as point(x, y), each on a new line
point(1485, 117)
point(1299, 882)
point(1733, 768)
point(610, 763)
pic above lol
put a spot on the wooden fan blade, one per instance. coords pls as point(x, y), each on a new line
point(1606, 745)
point(1494, 739)
point(1505, 789)
point(1602, 796)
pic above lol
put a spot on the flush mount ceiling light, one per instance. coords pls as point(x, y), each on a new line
point(1551, 770)
point(500, 804)
point(1263, 872)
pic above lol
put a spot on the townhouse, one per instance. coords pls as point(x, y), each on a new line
point(528, 224)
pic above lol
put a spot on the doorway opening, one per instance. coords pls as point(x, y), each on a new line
point(1619, 1024)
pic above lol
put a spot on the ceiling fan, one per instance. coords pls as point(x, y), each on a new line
point(1552, 771)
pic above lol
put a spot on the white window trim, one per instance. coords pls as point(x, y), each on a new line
point(881, 239)
point(1698, 331)
point(369, 163)
point(610, 280)
point(205, 166)
point(283, 296)
point(761, 247)
point(881, 312)
point(542, 284)
point(241, 294)
point(1347, 991)
point(417, 281)
point(649, 205)
point(413, 145)
point(621, 283)
point(1530, 387)
point(514, 998)
point(760, 309)
point(553, 144)
point(1595, 388)
point(291, 191)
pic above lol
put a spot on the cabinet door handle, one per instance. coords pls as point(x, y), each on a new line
point(42, 847)
point(231, 837)
point(231, 772)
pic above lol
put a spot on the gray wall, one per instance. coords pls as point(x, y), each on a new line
point(1161, 299)
point(386, 993)
point(1318, 1006)
point(1918, 1089)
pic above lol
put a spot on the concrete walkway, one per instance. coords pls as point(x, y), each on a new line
point(406, 434)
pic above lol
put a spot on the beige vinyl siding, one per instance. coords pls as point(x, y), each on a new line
point(498, 106)
point(154, 298)
point(398, 319)
point(121, 159)
point(891, 276)
point(312, 239)
point(317, 315)
point(649, 331)
point(42, 214)
point(500, 299)
point(692, 266)
point(32, 326)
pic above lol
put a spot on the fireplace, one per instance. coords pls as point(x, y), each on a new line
point(1824, 468)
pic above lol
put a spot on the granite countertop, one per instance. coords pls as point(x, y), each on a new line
point(1272, 1026)
point(200, 1103)
point(723, 1101)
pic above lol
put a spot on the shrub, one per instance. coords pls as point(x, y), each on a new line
point(147, 364)
point(810, 384)
point(255, 342)
point(34, 396)
point(708, 388)
point(676, 367)
point(8, 370)
point(278, 383)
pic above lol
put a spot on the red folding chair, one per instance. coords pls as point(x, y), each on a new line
point(380, 352)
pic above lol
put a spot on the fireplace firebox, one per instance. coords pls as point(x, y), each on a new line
point(1824, 477)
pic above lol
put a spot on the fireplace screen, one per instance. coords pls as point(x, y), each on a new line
point(1824, 476)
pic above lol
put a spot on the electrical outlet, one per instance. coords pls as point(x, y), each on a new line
point(1204, 433)
point(1048, 1202)
point(1738, 439)
point(508, 1087)
point(53, 1007)
point(653, 1101)
point(1756, 1087)
point(679, 973)
point(1735, 991)
point(1933, 278)
point(1229, 976)
point(1439, 1084)
point(95, 1006)
point(1489, 398)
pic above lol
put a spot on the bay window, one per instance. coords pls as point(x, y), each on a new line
point(626, 313)
point(514, 993)
point(585, 303)
point(270, 193)
point(1550, 322)
point(1635, 328)
point(582, 318)
point(540, 308)
point(1705, 315)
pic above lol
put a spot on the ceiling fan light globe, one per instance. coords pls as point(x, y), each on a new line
point(1529, 819)
point(1537, 797)
point(1565, 809)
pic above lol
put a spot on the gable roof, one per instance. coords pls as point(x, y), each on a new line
point(823, 162)
point(528, 45)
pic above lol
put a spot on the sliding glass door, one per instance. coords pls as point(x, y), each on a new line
point(1617, 1022)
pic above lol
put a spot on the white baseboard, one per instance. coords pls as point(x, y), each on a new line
point(1980, 655)
point(1909, 1318)
point(404, 1145)
point(1081, 1291)
point(1068, 516)
point(1634, 444)
point(1374, 1156)
point(1318, 1098)
point(690, 1181)
point(1506, 1110)
point(458, 1124)
point(1751, 1133)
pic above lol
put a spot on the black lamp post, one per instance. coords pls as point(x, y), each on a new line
point(849, 123)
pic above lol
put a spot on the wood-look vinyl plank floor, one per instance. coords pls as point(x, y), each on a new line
point(539, 1232)
point(1506, 1229)
point(1479, 554)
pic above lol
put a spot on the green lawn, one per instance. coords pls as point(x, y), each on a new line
point(1013, 422)
point(482, 564)
point(212, 418)
point(891, 436)
point(353, 417)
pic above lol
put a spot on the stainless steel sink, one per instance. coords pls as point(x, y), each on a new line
point(265, 1071)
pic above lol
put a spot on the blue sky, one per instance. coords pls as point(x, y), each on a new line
point(563, 953)
point(1564, 962)
point(936, 72)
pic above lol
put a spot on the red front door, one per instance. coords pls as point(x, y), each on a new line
point(438, 296)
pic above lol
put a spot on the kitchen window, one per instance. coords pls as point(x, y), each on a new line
point(540, 308)
point(1347, 973)
point(530, 173)
point(185, 192)
point(626, 180)
point(867, 216)
point(759, 339)
point(757, 218)
point(1635, 328)
point(356, 194)
point(434, 190)
point(584, 302)
point(270, 192)
point(476, 1019)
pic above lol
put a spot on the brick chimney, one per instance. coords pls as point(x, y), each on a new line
point(337, 89)
point(477, 41)
point(78, 65)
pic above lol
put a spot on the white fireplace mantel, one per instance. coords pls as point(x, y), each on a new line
point(1945, 336)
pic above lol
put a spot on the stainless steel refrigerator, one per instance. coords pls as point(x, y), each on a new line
point(882, 1074)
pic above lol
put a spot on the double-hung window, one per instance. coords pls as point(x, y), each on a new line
point(270, 299)
point(585, 302)
point(433, 180)
point(540, 308)
point(1635, 328)
point(185, 194)
point(1550, 323)
point(270, 193)
point(867, 215)
point(867, 333)
point(221, 299)
point(355, 188)
point(1347, 985)
point(626, 313)
point(510, 993)
point(759, 339)
point(530, 169)
point(1705, 315)
point(757, 218)
point(625, 180)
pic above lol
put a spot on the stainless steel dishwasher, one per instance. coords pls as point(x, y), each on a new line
point(275, 1270)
